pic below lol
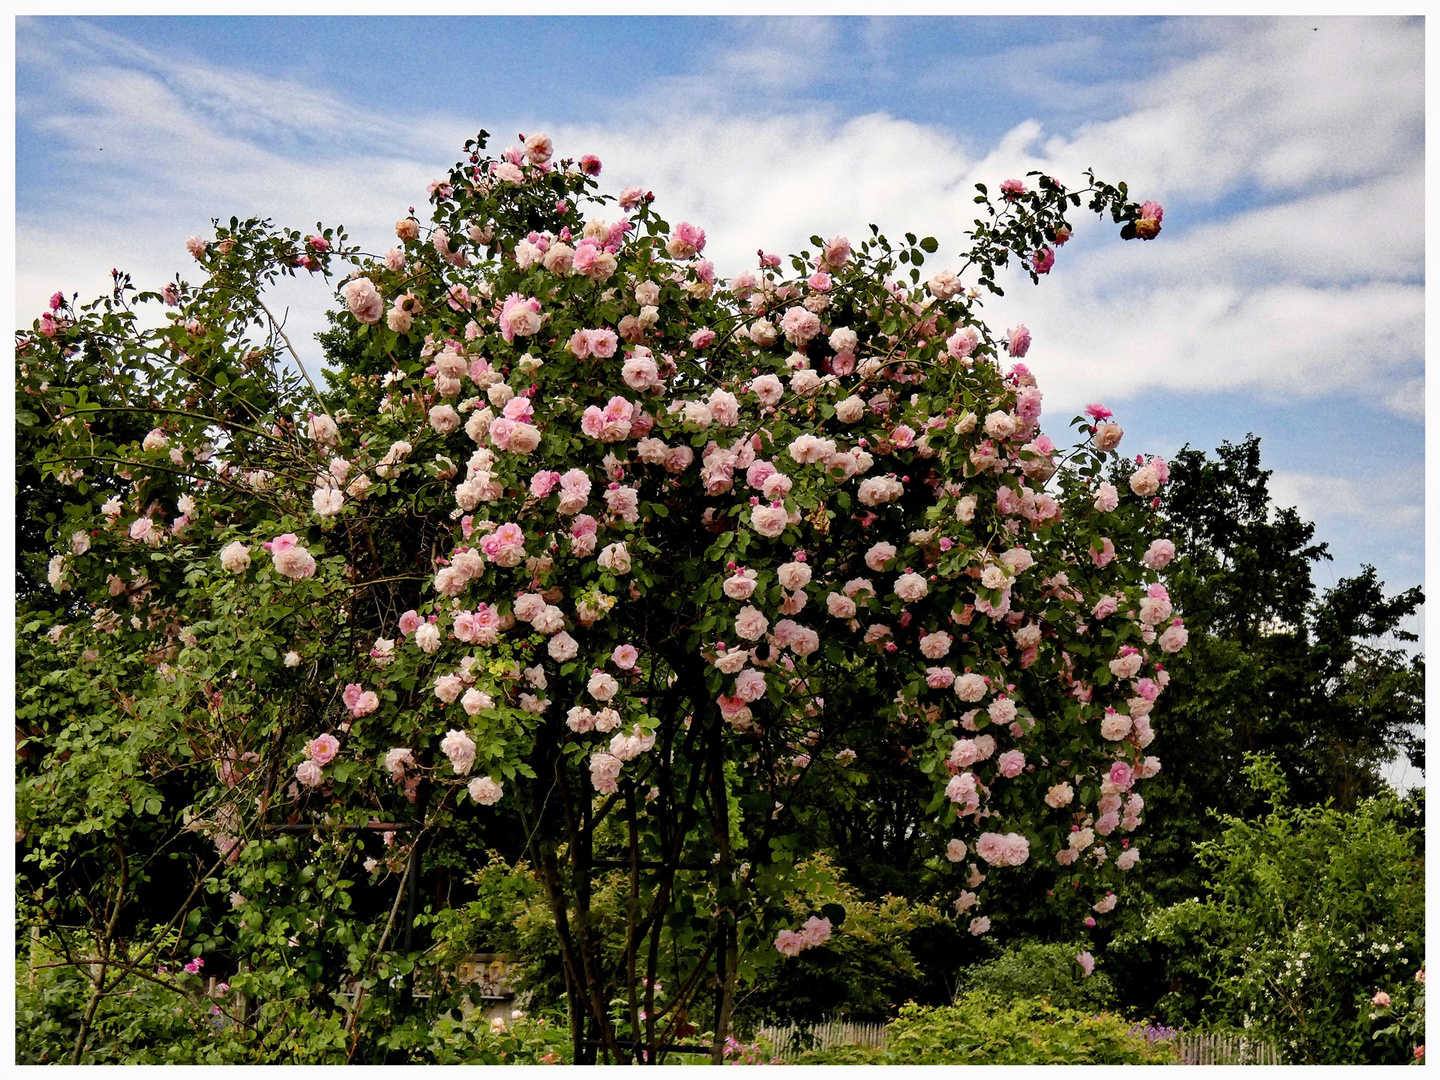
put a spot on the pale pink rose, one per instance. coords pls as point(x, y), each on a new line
point(1115, 726)
point(604, 769)
point(1155, 609)
point(842, 607)
point(474, 700)
point(911, 587)
point(1127, 664)
point(979, 926)
point(768, 389)
point(1086, 961)
point(1007, 849)
point(808, 449)
point(1145, 481)
point(793, 575)
point(1174, 637)
point(1128, 858)
point(750, 624)
point(750, 685)
point(965, 901)
point(836, 252)
point(448, 688)
point(460, 749)
point(1002, 711)
point(934, 646)
point(971, 687)
point(538, 149)
point(624, 501)
point(292, 561)
point(1158, 555)
point(310, 774)
point(955, 850)
point(485, 791)
point(962, 789)
point(528, 606)
point(799, 325)
point(879, 489)
point(235, 557)
point(1018, 342)
point(1106, 498)
point(444, 419)
point(678, 460)
point(804, 641)
point(1011, 763)
point(427, 638)
point(562, 647)
point(615, 558)
point(850, 410)
point(944, 285)
point(602, 687)
point(879, 554)
point(963, 342)
point(322, 430)
point(364, 302)
point(1108, 436)
point(1059, 796)
point(937, 678)
point(1104, 608)
point(640, 373)
point(685, 241)
point(999, 425)
point(768, 521)
point(551, 620)
point(805, 381)
point(322, 749)
point(1107, 904)
point(740, 585)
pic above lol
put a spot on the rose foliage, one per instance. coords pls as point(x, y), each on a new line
point(585, 540)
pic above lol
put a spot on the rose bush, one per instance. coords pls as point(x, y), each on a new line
point(584, 541)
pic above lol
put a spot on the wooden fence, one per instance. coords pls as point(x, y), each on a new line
point(1215, 1049)
point(792, 1040)
point(1198, 1048)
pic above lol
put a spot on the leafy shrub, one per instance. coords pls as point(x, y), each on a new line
point(1033, 969)
point(982, 1029)
point(1313, 911)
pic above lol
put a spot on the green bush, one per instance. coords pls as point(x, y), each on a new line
point(524, 1040)
point(982, 1029)
point(1312, 912)
point(1033, 969)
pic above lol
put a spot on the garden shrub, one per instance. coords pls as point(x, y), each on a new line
point(982, 1029)
point(1033, 969)
point(1312, 913)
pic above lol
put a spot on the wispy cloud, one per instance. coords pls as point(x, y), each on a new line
point(1284, 154)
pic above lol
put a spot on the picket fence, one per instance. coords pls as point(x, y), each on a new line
point(1215, 1049)
point(792, 1040)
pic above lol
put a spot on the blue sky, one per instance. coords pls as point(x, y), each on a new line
point(1285, 296)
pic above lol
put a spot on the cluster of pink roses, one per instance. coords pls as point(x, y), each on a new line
point(815, 931)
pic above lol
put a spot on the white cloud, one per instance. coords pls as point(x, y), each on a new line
point(1327, 498)
point(1312, 293)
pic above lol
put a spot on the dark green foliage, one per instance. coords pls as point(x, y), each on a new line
point(983, 1030)
point(1311, 912)
point(1318, 680)
point(1033, 969)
